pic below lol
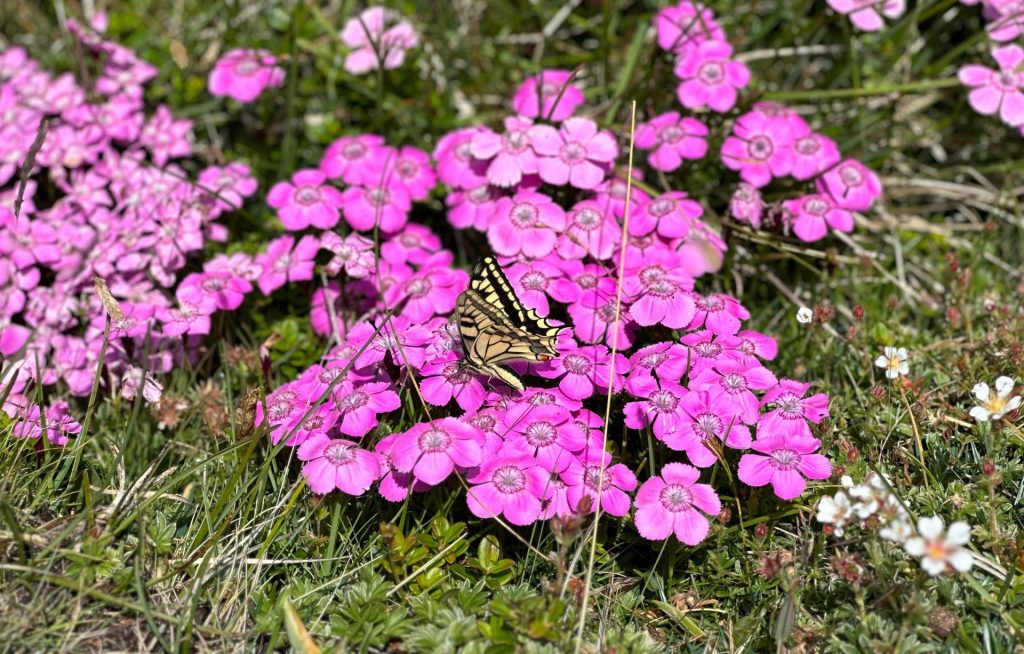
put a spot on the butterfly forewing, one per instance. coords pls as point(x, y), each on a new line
point(490, 282)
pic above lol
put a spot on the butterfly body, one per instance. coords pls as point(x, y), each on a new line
point(496, 328)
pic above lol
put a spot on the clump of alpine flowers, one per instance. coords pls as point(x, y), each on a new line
point(546, 189)
point(873, 507)
point(118, 207)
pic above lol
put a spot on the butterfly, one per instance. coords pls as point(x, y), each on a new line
point(496, 328)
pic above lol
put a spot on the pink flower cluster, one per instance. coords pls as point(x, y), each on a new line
point(121, 212)
point(547, 196)
point(771, 142)
point(377, 38)
point(709, 76)
point(244, 74)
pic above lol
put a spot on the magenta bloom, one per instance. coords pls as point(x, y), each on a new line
point(356, 160)
point(547, 432)
point(685, 25)
point(673, 502)
point(433, 450)
point(592, 475)
point(526, 223)
point(164, 137)
point(812, 215)
point(701, 421)
point(760, 148)
point(792, 410)
point(660, 292)
point(666, 359)
point(338, 464)
point(998, 92)
point(243, 74)
point(472, 208)
point(867, 15)
point(228, 185)
point(710, 78)
point(549, 96)
point(511, 154)
point(852, 185)
point(783, 462)
point(585, 369)
point(720, 314)
point(394, 486)
point(813, 154)
point(411, 168)
point(456, 165)
point(378, 38)
point(591, 229)
point(671, 140)
point(661, 409)
point(360, 405)
point(432, 291)
point(731, 383)
point(577, 153)
point(445, 379)
point(511, 483)
point(353, 254)
point(532, 282)
point(306, 201)
point(670, 214)
point(282, 264)
point(386, 206)
point(746, 205)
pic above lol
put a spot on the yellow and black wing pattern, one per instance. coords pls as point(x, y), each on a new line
point(496, 328)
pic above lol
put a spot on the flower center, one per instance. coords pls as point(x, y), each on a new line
point(283, 262)
point(524, 215)
point(760, 147)
point(328, 375)
point(534, 281)
point(815, 206)
point(409, 240)
point(307, 195)
point(406, 169)
point(353, 150)
point(339, 454)
point(353, 401)
point(734, 382)
point(851, 176)
point(664, 401)
point(573, 153)
point(710, 303)
point(516, 141)
point(653, 360)
point(586, 281)
point(377, 196)
point(711, 72)
point(313, 423)
point(541, 434)
point(434, 440)
point(676, 498)
point(707, 425)
point(789, 407)
point(661, 207)
point(280, 410)
point(418, 287)
point(597, 478)
point(213, 284)
point(785, 459)
point(479, 195)
point(587, 218)
point(893, 363)
point(464, 150)
point(542, 399)
point(484, 422)
point(246, 67)
point(578, 364)
point(509, 480)
point(671, 134)
point(807, 145)
point(662, 288)
point(995, 404)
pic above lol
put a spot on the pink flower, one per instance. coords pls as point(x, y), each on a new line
point(243, 74)
point(394, 486)
point(867, 15)
point(660, 292)
point(813, 154)
point(672, 139)
point(673, 502)
point(746, 205)
point(164, 137)
point(357, 160)
point(400, 331)
point(456, 165)
point(585, 369)
point(432, 291)
point(591, 229)
point(532, 282)
point(228, 185)
point(281, 264)
point(386, 206)
point(792, 410)
point(359, 406)
point(661, 408)
point(998, 91)
point(134, 379)
point(549, 96)
point(784, 462)
point(686, 25)
point(710, 78)
point(593, 476)
point(594, 320)
point(526, 223)
point(730, 384)
point(511, 154)
point(704, 420)
point(1007, 19)
point(306, 201)
point(812, 215)
point(411, 168)
point(546, 432)
point(472, 208)
point(353, 254)
point(759, 147)
point(334, 463)
point(511, 483)
point(378, 38)
point(720, 314)
point(668, 360)
point(433, 450)
point(446, 379)
point(670, 214)
point(415, 244)
point(851, 185)
point(577, 153)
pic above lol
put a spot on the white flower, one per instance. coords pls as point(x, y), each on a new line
point(994, 407)
point(894, 361)
point(133, 379)
point(836, 511)
point(897, 531)
point(939, 550)
point(804, 315)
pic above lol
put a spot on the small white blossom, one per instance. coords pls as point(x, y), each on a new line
point(898, 530)
point(133, 379)
point(836, 511)
point(994, 407)
point(894, 362)
point(939, 549)
point(804, 315)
